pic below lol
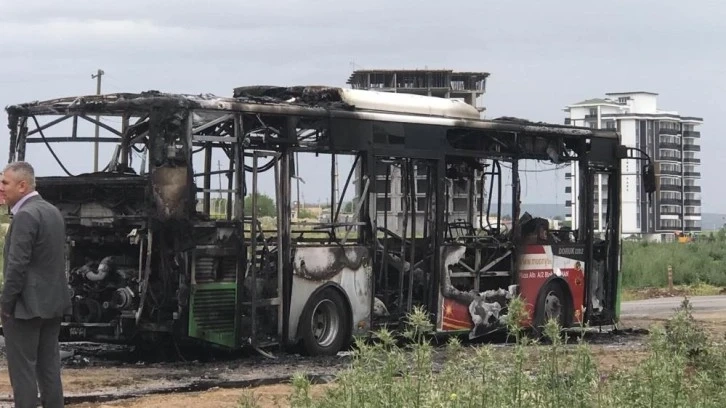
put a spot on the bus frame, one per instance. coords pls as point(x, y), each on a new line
point(147, 256)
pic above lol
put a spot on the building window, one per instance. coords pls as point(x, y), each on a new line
point(670, 224)
point(381, 185)
point(623, 100)
point(670, 154)
point(670, 181)
point(693, 210)
point(693, 224)
point(461, 187)
point(460, 204)
point(670, 139)
point(668, 125)
point(383, 204)
point(670, 209)
point(670, 167)
point(670, 195)
point(422, 186)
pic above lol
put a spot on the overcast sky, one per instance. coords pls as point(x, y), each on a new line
point(542, 55)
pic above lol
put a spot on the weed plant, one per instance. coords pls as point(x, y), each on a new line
point(683, 368)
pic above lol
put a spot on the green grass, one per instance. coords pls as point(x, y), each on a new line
point(683, 368)
point(702, 262)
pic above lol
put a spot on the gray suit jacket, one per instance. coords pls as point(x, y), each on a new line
point(35, 283)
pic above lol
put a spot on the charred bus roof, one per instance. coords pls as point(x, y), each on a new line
point(306, 101)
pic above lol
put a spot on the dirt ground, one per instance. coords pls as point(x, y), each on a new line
point(115, 383)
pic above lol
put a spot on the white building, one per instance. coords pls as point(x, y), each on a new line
point(670, 139)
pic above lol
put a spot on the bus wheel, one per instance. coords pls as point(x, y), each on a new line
point(552, 306)
point(325, 324)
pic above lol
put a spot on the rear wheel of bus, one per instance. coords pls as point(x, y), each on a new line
point(325, 323)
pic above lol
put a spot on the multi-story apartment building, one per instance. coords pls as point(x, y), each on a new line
point(671, 140)
point(466, 86)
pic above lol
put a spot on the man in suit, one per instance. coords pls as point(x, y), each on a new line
point(35, 290)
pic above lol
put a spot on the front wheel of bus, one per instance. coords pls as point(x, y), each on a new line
point(326, 324)
point(552, 305)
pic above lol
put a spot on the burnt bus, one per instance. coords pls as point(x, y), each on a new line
point(169, 237)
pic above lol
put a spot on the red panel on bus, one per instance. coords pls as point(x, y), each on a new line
point(455, 316)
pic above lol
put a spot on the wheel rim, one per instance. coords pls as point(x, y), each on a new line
point(553, 306)
point(325, 323)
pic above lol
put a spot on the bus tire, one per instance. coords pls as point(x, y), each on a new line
point(325, 324)
point(552, 304)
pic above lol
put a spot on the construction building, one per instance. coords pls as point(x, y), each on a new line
point(443, 83)
point(671, 140)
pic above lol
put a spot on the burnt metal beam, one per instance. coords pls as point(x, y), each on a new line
point(125, 140)
point(212, 123)
point(412, 197)
point(49, 124)
point(73, 139)
point(253, 251)
point(242, 260)
point(207, 181)
point(218, 139)
point(101, 124)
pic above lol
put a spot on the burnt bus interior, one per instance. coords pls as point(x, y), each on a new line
point(171, 235)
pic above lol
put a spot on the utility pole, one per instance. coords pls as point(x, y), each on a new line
point(97, 76)
point(297, 178)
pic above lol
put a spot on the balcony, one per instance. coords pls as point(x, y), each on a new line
point(692, 189)
point(698, 214)
point(669, 145)
point(670, 187)
point(663, 131)
point(669, 172)
point(691, 133)
point(691, 202)
point(673, 201)
point(670, 212)
point(691, 160)
point(667, 154)
point(692, 148)
point(694, 228)
point(695, 174)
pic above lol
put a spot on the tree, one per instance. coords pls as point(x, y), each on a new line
point(265, 206)
point(305, 213)
point(348, 207)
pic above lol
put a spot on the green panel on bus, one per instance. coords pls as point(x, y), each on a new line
point(212, 312)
